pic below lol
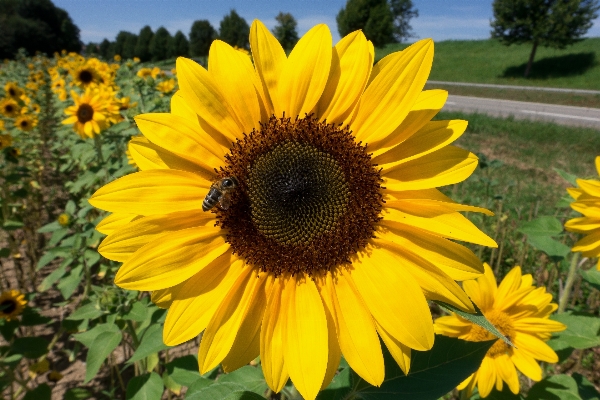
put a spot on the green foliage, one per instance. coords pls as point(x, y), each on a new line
point(540, 232)
point(201, 37)
point(374, 17)
point(180, 46)
point(125, 44)
point(142, 47)
point(234, 30)
point(403, 11)
point(106, 49)
point(160, 44)
point(285, 30)
point(145, 387)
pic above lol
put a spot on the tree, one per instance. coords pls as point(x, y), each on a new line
point(180, 47)
point(201, 36)
point(160, 44)
point(285, 30)
point(548, 23)
point(374, 17)
point(142, 47)
point(234, 30)
point(123, 44)
point(402, 12)
point(104, 48)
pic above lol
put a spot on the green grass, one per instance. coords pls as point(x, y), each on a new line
point(488, 61)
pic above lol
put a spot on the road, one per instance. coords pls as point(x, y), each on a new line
point(515, 87)
point(564, 115)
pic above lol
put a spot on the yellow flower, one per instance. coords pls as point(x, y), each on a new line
point(174, 71)
point(315, 245)
point(12, 303)
point(144, 72)
point(117, 58)
point(587, 202)
point(166, 86)
point(39, 367)
point(124, 104)
point(12, 90)
point(88, 114)
point(156, 72)
point(521, 312)
point(64, 219)
point(1, 125)
point(9, 107)
point(25, 122)
point(136, 59)
point(5, 140)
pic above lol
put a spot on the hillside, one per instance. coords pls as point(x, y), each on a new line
point(488, 61)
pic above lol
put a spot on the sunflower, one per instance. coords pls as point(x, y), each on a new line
point(587, 202)
point(5, 140)
point(25, 122)
point(12, 303)
point(13, 90)
point(166, 86)
point(88, 114)
point(9, 107)
point(520, 311)
point(86, 76)
point(144, 72)
point(64, 219)
point(313, 246)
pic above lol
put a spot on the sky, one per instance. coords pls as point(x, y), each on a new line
point(438, 19)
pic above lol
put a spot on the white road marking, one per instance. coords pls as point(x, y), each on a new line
point(560, 115)
point(451, 103)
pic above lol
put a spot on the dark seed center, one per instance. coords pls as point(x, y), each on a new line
point(86, 76)
point(85, 113)
point(8, 306)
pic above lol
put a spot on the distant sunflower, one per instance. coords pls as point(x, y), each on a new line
point(587, 202)
point(521, 312)
point(12, 304)
point(13, 90)
point(87, 115)
point(5, 141)
point(144, 72)
point(85, 76)
point(9, 107)
point(25, 122)
point(326, 246)
point(166, 86)
point(64, 219)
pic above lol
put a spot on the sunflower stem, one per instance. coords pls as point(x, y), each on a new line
point(98, 146)
point(564, 299)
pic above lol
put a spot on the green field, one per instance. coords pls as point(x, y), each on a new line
point(488, 61)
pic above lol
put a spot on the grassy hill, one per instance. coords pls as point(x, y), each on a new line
point(488, 61)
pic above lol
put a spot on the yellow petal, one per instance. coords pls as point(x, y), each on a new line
point(351, 65)
point(113, 222)
point(163, 298)
point(538, 325)
point(305, 336)
point(150, 156)
point(590, 242)
point(487, 376)
point(433, 136)
point(225, 323)
point(271, 339)
point(582, 224)
point(153, 192)
point(325, 287)
point(171, 259)
point(428, 104)
point(121, 244)
point(199, 298)
point(391, 94)
point(356, 331)
point(232, 70)
point(199, 88)
point(304, 75)
point(269, 59)
point(70, 120)
point(597, 161)
point(534, 347)
point(507, 372)
point(431, 198)
point(589, 186)
point(452, 325)
point(510, 283)
point(405, 315)
point(526, 364)
point(400, 352)
point(446, 166)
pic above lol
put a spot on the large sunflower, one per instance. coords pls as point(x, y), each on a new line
point(587, 202)
point(13, 90)
point(88, 115)
point(520, 311)
point(25, 122)
point(313, 250)
point(9, 107)
point(12, 304)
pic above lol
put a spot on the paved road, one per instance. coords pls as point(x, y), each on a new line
point(565, 115)
point(515, 87)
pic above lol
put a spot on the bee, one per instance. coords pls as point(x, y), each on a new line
point(220, 192)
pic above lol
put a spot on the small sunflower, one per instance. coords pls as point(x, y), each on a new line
point(166, 86)
point(117, 58)
point(587, 202)
point(5, 140)
point(315, 245)
point(13, 90)
point(25, 122)
point(88, 114)
point(9, 107)
point(12, 304)
point(521, 312)
point(64, 219)
point(86, 76)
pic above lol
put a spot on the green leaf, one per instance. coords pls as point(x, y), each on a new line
point(69, 284)
point(505, 394)
point(41, 392)
point(184, 370)
point(87, 338)
point(552, 247)
point(77, 394)
point(152, 342)
point(91, 257)
point(87, 311)
point(432, 373)
point(70, 207)
point(7, 328)
point(98, 352)
point(572, 179)
point(478, 319)
point(197, 386)
point(51, 255)
point(222, 391)
point(145, 387)
point(587, 391)
point(542, 226)
point(561, 387)
point(4, 252)
point(582, 331)
point(592, 276)
point(55, 275)
point(57, 236)
point(30, 347)
point(138, 312)
point(251, 378)
point(12, 225)
point(31, 317)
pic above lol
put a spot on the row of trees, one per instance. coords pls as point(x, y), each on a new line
point(160, 45)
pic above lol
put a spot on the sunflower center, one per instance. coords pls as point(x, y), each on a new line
point(8, 306)
point(85, 113)
point(24, 124)
point(308, 199)
point(9, 108)
point(12, 92)
point(503, 323)
point(86, 76)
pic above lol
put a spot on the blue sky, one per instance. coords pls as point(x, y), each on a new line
point(438, 19)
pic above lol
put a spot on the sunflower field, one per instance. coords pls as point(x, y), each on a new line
point(279, 226)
